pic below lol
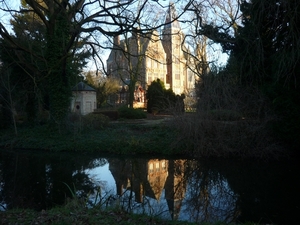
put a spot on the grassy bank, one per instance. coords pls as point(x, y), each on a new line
point(190, 135)
point(116, 137)
point(73, 215)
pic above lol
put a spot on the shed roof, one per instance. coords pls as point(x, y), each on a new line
point(81, 86)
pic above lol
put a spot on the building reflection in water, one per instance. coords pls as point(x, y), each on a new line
point(154, 178)
point(190, 190)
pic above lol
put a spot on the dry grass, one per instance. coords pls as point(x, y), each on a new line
point(200, 136)
point(230, 121)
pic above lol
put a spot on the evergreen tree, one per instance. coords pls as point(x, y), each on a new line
point(43, 62)
point(164, 100)
point(266, 55)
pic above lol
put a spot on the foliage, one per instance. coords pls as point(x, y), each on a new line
point(18, 91)
point(95, 121)
point(262, 70)
point(111, 114)
point(133, 138)
point(232, 120)
point(199, 135)
point(131, 113)
point(224, 115)
point(104, 87)
point(52, 41)
point(39, 56)
point(268, 58)
point(4, 117)
point(82, 215)
point(155, 94)
point(163, 100)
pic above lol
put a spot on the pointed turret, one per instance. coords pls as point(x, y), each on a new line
point(172, 39)
point(171, 18)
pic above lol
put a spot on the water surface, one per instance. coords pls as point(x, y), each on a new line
point(172, 188)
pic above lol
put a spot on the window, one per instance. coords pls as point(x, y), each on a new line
point(149, 78)
point(149, 62)
point(161, 66)
point(190, 76)
point(157, 166)
point(151, 168)
point(163, 165)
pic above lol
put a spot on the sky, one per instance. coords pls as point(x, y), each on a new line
point(214, 53)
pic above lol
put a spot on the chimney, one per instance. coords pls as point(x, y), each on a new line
point(135, 32)
point(116, 40)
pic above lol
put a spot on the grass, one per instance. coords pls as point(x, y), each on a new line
point(119, 138)
point(190, 136)
point(114, 137)
point(74, 214)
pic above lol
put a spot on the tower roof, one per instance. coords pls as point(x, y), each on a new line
point(171, 16)
point(81, 86)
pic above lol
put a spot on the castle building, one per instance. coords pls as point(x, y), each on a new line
point(147, 57)
point(159, 179)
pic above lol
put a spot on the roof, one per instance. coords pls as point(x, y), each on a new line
point(132, 43)
point(81, 86)
point(171, 17)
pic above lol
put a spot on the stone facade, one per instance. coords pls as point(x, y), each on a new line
point(153, 56)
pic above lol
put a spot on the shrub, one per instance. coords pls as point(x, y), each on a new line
point(94, 121)
point(131, 113)
point(111, 114)
point(225, 115)
point(199, 136)
point(5, 117)
point(89, 121)
point(155, 95)
point(160, 99)
point(231, 120)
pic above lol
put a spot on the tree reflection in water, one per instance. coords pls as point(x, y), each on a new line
point(41, 181)
point(210, 198)
point(178, 189)
point(183, 189)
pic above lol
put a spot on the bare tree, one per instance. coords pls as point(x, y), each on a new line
point(72, 26)
point(7, 95)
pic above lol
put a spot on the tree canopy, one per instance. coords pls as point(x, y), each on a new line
point(51, 41)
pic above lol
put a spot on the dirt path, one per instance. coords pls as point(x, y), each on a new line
point(150, 120)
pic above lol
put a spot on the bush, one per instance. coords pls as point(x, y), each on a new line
point(160, 99)
point(5, 117)
point(199, 136)
point(231, 120)
point(94, 121)
point(225, 115)
point(89, 121)
point(131, 113)
point(111, 114)
point(155, 96)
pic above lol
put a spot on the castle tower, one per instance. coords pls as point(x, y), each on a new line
point(175, 186)
point(172, 39)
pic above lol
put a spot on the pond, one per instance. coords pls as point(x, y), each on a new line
point(172, 188)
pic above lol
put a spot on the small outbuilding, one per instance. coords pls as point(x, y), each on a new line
point(84, 99)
